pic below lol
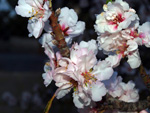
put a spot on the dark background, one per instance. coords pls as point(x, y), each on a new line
point(22, 59)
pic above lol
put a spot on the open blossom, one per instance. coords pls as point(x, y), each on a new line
point(121, 90)
point(51, 65)
point(144, 32)
point(69, 24)
point(83, 73)
point(130, 94)
point(38, 11)
point(122, 44)
point(116, 16)
point(90, 73)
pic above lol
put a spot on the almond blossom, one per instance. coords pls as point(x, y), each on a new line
point(88, 74)
point(38, 11)
point(121, 90)
point(69, 24)
point(144, 31)
point(82, 72)
point(116, 16)
point(121, 44)
point(51, 65)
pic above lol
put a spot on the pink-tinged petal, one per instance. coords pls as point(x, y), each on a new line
point(47, 78)
point(49, 52)
point(98, 90)
point(62, 93)
point(130, 94)
point(91, 45)
point(134, 60)
point(144, 32)
point(116, 91)
point(102, 71)
point(58, 55)
point(132, 45)
point(87, 62)
point(114, 60)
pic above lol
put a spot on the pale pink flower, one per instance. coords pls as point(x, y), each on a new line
point(120, 90)
point(38, 11)
point(69, 24)
point(117, 16)
point(112, 85)
point(130, 94)
point(51, 65)
point(121, 44)
point(144, 32)
point(83, 73)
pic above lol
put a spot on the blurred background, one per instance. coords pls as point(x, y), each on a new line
point(22, 58)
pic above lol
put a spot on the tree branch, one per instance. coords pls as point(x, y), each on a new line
point(115, 104)
point(59, 37)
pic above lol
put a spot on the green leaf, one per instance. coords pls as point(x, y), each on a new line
point(107, 1)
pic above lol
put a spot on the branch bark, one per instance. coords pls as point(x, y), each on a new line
point(59, 36)
point(115, 104)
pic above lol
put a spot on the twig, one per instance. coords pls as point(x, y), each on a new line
point(115, 104)
point(59, 37)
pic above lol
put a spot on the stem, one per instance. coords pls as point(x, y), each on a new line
point(115, 104)
point(49, 104)
point(59, 37)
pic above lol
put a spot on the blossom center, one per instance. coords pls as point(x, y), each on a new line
point(122, 49)
point(88, 77)
point(118, 19)
point(38, 13)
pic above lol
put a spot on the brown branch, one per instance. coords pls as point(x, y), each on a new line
point(115, 104)
point(145, 77)
point(59, 37)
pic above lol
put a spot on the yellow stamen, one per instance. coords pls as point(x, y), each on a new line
point(50, 3)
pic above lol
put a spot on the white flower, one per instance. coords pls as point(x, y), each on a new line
point(83, 73)
point(112, 85)
point(69, 24)
point(121, 44)
point(144, 32)
point(50, 66)
point(130, 94)
point(38, 11)
point(117, 16)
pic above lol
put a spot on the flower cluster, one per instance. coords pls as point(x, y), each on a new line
point(119, 35)
point(119, 32)
point(82, 72)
